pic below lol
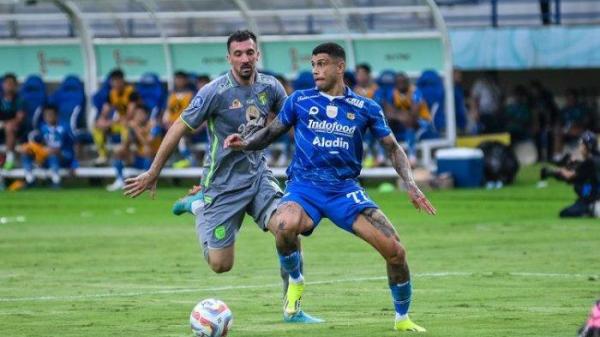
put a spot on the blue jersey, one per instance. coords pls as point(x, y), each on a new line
point(329, 134)
point(57, 137)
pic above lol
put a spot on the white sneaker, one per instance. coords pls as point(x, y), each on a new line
point(116, 186)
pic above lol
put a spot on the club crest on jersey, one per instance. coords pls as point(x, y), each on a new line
point(350, 116)
point(262, 98)
point(313, 110)
point(332, 111)
point(236, 104)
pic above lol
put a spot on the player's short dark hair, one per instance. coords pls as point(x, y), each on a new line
point(181, 73)
point(330, 48)
point(51, 107)
point(9, 76)
point(240, 36)
point(365, 67)
point(116, 74)
point(203, 77)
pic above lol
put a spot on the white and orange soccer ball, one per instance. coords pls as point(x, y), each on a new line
point(211, 318)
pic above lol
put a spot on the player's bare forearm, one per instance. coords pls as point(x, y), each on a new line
point(399, 159)
point(262, 138)
point(174, 134)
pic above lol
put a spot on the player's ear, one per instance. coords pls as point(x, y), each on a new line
point(257, 54)
point(228, 57)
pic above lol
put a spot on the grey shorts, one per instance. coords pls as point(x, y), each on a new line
point(221, 217)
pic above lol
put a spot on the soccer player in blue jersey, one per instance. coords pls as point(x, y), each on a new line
point(330, 122)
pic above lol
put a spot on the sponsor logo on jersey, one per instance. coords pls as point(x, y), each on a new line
point(197, 101)
point(328, 127)
point(236, 104)
point(313, 110)
point(338, 142)
point(359, 103)
point(252, 113)
point(302, 98)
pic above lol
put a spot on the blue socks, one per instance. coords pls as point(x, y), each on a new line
point(401, 294)
point(291, 264)
point(119, 165)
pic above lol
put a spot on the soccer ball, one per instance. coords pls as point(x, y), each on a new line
point(211, 318)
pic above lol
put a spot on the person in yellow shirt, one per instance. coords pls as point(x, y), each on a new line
point(115, 114)
point(178, 100)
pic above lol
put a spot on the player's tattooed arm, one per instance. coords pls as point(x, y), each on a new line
point(259, 140)
point(402, 165)
point(399, 159)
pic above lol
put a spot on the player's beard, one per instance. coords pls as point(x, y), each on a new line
point(246, 72)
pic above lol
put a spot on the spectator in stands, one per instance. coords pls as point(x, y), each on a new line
point(460, 107)
point(12, 117)
point(365, 85)
point(202, 80)
point(545, 12)
point(53, 148)
point(407, 112)
point(573, 121)
point(139, 129)
point(517, 115)
point(485, 105)
point(545, 119)
point(116, 113)
point(178, 100)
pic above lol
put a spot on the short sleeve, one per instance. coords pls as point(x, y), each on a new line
point(288, 114)
point(279, 97)
point(377, 122)
point(200, 107)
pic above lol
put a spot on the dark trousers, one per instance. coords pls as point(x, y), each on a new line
point(577, 210)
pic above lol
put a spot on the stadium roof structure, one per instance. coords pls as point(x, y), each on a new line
point(165, 35)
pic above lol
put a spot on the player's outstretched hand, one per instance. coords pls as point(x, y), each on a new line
point(137, 185)
point(420, 200)
point(234, 142)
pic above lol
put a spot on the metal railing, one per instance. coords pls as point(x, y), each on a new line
point(497, 13)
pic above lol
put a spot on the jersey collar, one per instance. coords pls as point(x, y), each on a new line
point(347, 93)
point(235, 83)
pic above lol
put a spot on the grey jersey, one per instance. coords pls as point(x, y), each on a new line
point(229, 107)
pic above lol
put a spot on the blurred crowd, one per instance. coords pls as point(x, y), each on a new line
point(130, 119)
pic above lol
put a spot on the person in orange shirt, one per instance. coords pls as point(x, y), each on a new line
point(115, 114)
point(366, 86)
point(406, 111)
point(178, 100)
point(140, 136)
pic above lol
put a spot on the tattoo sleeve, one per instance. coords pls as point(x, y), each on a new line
point(262, 138)
point(399, 159)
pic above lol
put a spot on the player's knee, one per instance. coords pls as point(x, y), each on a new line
point(396, 254)
point(220, 267)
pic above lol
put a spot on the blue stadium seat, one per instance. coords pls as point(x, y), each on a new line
point(101, 97)
point(304, 81)
point(386, 83)
point(69, 99)
point(431, 86)
point(33, 94)
point(152, 94)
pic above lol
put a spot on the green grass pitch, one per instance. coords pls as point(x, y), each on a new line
point(492, 263)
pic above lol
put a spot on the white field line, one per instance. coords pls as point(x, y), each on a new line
point(273, 285)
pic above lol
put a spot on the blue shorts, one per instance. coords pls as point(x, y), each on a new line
point(340, 203)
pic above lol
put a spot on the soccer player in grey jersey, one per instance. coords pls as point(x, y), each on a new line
point(234, 183)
